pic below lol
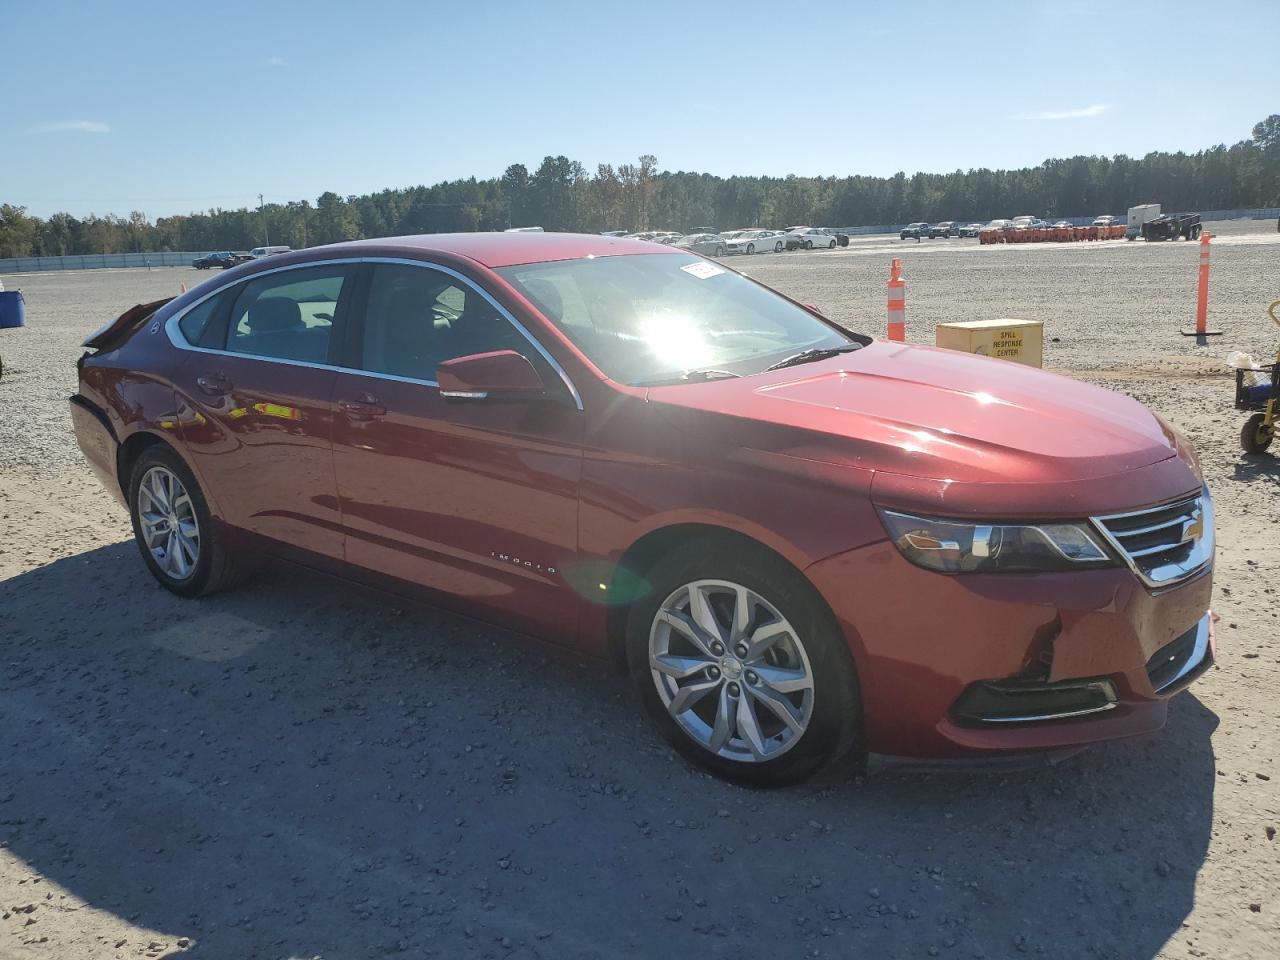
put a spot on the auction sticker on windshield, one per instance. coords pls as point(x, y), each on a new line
point(702, 270)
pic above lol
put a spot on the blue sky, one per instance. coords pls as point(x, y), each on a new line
point(168, 108)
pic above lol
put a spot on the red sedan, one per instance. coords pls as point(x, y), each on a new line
point(803, 542)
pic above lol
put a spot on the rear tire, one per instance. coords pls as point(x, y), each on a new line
point(751, 248)
point(777, 247)
point(808, 244)
point(1255, 437)
point(180, 543)
point(831, 245)
point(734, 701)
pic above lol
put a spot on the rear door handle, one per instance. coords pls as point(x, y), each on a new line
point(368, 407)
point(214, 384)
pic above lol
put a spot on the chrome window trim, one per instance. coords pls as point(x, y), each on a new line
point(1202, 550)
point(174, 332)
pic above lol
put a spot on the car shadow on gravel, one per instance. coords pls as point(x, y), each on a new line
point(306, 769)
point(1257, 468)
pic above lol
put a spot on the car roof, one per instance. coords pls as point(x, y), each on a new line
point(504, 249)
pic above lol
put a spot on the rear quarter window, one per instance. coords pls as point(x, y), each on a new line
point(195, 321)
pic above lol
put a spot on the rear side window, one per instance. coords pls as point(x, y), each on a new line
point(195, 321)
point(287, 315)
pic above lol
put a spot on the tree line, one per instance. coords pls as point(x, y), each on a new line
point(561, 194)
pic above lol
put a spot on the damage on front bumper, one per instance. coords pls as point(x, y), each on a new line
point(984, 665)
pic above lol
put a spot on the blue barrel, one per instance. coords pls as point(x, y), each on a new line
point(13, 309)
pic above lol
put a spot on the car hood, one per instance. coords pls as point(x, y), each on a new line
point(931, 414)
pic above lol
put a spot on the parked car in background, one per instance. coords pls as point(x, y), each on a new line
point(842, 238)
point(802, 541)
point(667, 238)
point(708, 244)
point(999, 225)
point(971, 230)
point(257, 253)
point(914, 231)
point(1105, 221)
point(613, 233)
point(1063, 223)
point(807, 238)
point(226, 259)
point(944, 229)
point(754, 241)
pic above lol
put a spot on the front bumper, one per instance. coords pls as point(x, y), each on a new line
point(981, 665)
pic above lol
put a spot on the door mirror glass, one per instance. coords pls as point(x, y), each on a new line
point(499, 375)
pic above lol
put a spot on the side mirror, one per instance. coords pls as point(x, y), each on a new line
point(500, 375)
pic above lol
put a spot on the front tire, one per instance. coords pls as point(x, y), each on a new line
point(741, 667)
point(174, 530)
point(777, 247)
point(831, 245)
point(808, 244)
point(720, 251)
point(1256, 436)
point(751, 248)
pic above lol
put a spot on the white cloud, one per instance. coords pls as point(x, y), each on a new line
point(1096, 110)
point(274, 61)
point(72, 126)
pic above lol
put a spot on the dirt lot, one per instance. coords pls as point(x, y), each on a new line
point(304, 769)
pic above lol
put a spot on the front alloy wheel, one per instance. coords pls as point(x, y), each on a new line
point(741, 665)
point(731, 671)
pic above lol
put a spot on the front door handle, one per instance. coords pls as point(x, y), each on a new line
point(368, 407)
point(214, 384)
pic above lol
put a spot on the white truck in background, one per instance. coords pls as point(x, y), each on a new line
point(1138, 216)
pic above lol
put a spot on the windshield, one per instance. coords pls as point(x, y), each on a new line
point(649, 318)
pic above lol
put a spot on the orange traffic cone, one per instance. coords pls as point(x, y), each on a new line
point(897, 326)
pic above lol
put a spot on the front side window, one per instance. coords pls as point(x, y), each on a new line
point(418, 317)
point(287, 315)
point(648, 318)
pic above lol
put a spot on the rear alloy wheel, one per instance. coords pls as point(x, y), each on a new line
point(173, 528)
point(1256, 436)
point(777, 247)
point(808, 244)
point(720, 251)
point(831, 245)
point(751, 248)
point(743, 673)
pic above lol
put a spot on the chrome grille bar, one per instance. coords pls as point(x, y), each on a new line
point(1163, 545)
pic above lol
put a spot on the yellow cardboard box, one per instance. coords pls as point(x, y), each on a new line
point(1021, 341)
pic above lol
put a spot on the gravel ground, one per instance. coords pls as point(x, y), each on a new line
point(303, 768)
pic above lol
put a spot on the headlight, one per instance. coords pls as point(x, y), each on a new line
point(949, 546)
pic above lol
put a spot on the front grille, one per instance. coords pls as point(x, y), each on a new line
point(1166, 544)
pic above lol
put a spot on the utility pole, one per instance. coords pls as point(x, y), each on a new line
point(266, 233)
